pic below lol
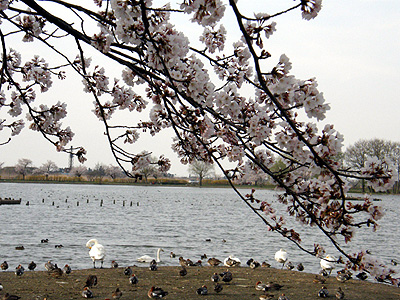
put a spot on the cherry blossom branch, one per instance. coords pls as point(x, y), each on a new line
point(200, 96)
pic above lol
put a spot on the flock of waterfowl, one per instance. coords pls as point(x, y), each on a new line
point(97, 253)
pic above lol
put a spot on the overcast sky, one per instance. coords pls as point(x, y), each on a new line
point(352, 48)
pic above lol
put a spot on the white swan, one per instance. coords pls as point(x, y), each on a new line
point(232, 261)
point(96, 252)
point(147, 258)
point(281, 257)
point(328, 263)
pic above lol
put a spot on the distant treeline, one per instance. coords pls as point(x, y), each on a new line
point(104, 180)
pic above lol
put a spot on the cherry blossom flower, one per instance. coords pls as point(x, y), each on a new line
point(102, 40)
point(206, 12)
point(214, 39)
point(4, 4)
point(310, 8)
point(37, 70)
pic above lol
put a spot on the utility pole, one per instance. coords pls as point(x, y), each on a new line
point(71, 160)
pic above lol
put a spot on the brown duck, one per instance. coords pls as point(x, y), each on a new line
point(214, 261)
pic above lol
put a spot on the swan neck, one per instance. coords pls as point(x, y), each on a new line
point(158, 255)
point(91, 243)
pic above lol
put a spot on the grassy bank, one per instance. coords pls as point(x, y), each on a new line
point(296, 285)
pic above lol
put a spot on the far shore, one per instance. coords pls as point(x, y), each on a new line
point(181, 182)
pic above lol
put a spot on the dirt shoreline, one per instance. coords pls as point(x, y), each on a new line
point(296, 285)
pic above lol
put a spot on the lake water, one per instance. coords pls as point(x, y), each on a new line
point(137, 220)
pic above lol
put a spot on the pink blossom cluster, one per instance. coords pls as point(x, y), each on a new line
point(205, 12)
point(102, 41)
point(32, 25)
point(255, 29)
point(235, 68)
point(310, 8)
point(23, 82)
point(380, 172)
point(4, 4)
point(214, 39)
point(364, 261)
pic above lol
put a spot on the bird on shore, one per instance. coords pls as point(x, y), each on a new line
point(231, 261)
point(183, 262)
point(183, 271)
point(1, 287)
point(339, 293)
point(31, 266)
point(215, 277)
point(128, 271)
point(7, 296)
point(319, 279)
point(254, 264)
point(260, 286)
point(214, 261)
point(49, 266)
point(67, 269)
point(91, 281)
point(323, 292)
point(300, 267)
point(4, 266)
point(156, 293)
point(328, 263)
point(273, 286)
point(117, 294)
point(57, 272)
point(198, 263)
point(289, 265)
point(153, 265)
point(218, 288)
point(87, 293)
point(343, 275)
point(204, 256)
point(281, 257)
point(96, 252)
point(202, 290)
point(114, 264)
point(283, 297)
point(133, 279)
point(249, 261)
point(147, 258)
point(189, 262)
point(362, 275)
point(19, 271)
point(226, 276)
point(20, 267)
point(264, 264)
point(323, 273)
